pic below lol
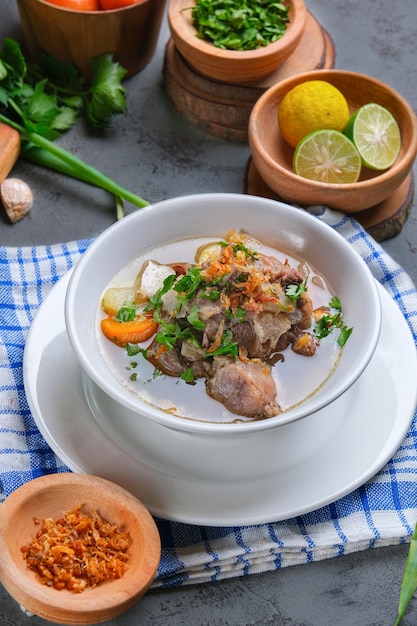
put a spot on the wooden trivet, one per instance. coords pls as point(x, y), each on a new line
point(382, 221)
point(222, 109)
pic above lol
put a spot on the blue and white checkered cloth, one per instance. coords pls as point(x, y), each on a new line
point(382, 512)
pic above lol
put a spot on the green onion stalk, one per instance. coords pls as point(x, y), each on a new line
point(409, 583)
point(48, 154)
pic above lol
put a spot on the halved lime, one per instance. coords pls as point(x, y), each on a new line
point(327, 156)
point(375, 133)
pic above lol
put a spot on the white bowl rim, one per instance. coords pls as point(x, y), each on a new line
point(314, 403)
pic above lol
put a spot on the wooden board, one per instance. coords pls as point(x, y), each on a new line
point(382, 221)
point(223, 109)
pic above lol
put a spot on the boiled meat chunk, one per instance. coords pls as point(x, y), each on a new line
point(244, 388)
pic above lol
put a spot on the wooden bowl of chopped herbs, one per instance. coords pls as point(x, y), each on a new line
point(76, 549)
point(237, 42)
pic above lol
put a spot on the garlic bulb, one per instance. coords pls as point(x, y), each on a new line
point(17, 198)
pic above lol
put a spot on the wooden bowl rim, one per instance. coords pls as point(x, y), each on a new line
point(404, 163)
point(113, 596)
point(185, 32)
point(74, 11)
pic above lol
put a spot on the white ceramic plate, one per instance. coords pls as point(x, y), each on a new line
point(348, 442)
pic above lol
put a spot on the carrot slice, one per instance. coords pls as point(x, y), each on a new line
point(122, 333)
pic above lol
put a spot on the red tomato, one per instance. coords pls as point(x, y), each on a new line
point(107, 5)
point(77, 5)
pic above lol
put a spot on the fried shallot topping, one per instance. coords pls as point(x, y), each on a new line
point(77, 551)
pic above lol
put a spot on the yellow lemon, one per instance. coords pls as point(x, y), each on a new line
point(312, 105)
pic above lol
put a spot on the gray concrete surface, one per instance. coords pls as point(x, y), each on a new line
point(156, 153)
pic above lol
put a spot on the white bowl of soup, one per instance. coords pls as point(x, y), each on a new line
point(250, 315)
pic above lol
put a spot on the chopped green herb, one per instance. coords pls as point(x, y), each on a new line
point(345, 333)
point(228, 347)
point(240, 247)
point(240, 314)
point(335, 303)
point(293, 292)
point(171, 332)
point(133, 349)
point(188, 375)
point(194, 319)
point(127, 313)
point(188, 284)
point(155, 300)
point(327, 323)
point(133, 377)
point(240, 24)
point(211, 295)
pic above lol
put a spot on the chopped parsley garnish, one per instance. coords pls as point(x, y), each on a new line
point(155, 300)
point(212, 295)
point(171, 332)
point(335, 303)
point(187, 285)
point(329, 322)
point(188, 375)
point(133, 349)
point(239, 314)
point(293, 292)
point(194, 319)
point(228, 347)
point(240, 25)
point(240, 247)
point(127, 313)
point(344, 335)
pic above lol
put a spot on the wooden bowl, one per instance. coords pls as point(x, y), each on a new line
point(272, 155)
point(52, 496)
point(232, 66)
point(130, 33)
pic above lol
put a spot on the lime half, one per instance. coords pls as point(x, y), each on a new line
point(375, 133)
point(327, 156)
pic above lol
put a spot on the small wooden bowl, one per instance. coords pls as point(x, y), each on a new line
point(52, 496)
point(130, 33)
point(272, 155)
point(230, 66)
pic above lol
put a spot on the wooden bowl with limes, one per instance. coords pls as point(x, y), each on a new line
point(233, 66)
point(272, 156)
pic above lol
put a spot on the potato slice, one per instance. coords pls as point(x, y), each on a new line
point(114, 298)
point(208, 252)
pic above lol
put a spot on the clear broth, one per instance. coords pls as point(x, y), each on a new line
point(296, 377)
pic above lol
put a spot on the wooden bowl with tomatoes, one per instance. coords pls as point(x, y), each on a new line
point(79, 30)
